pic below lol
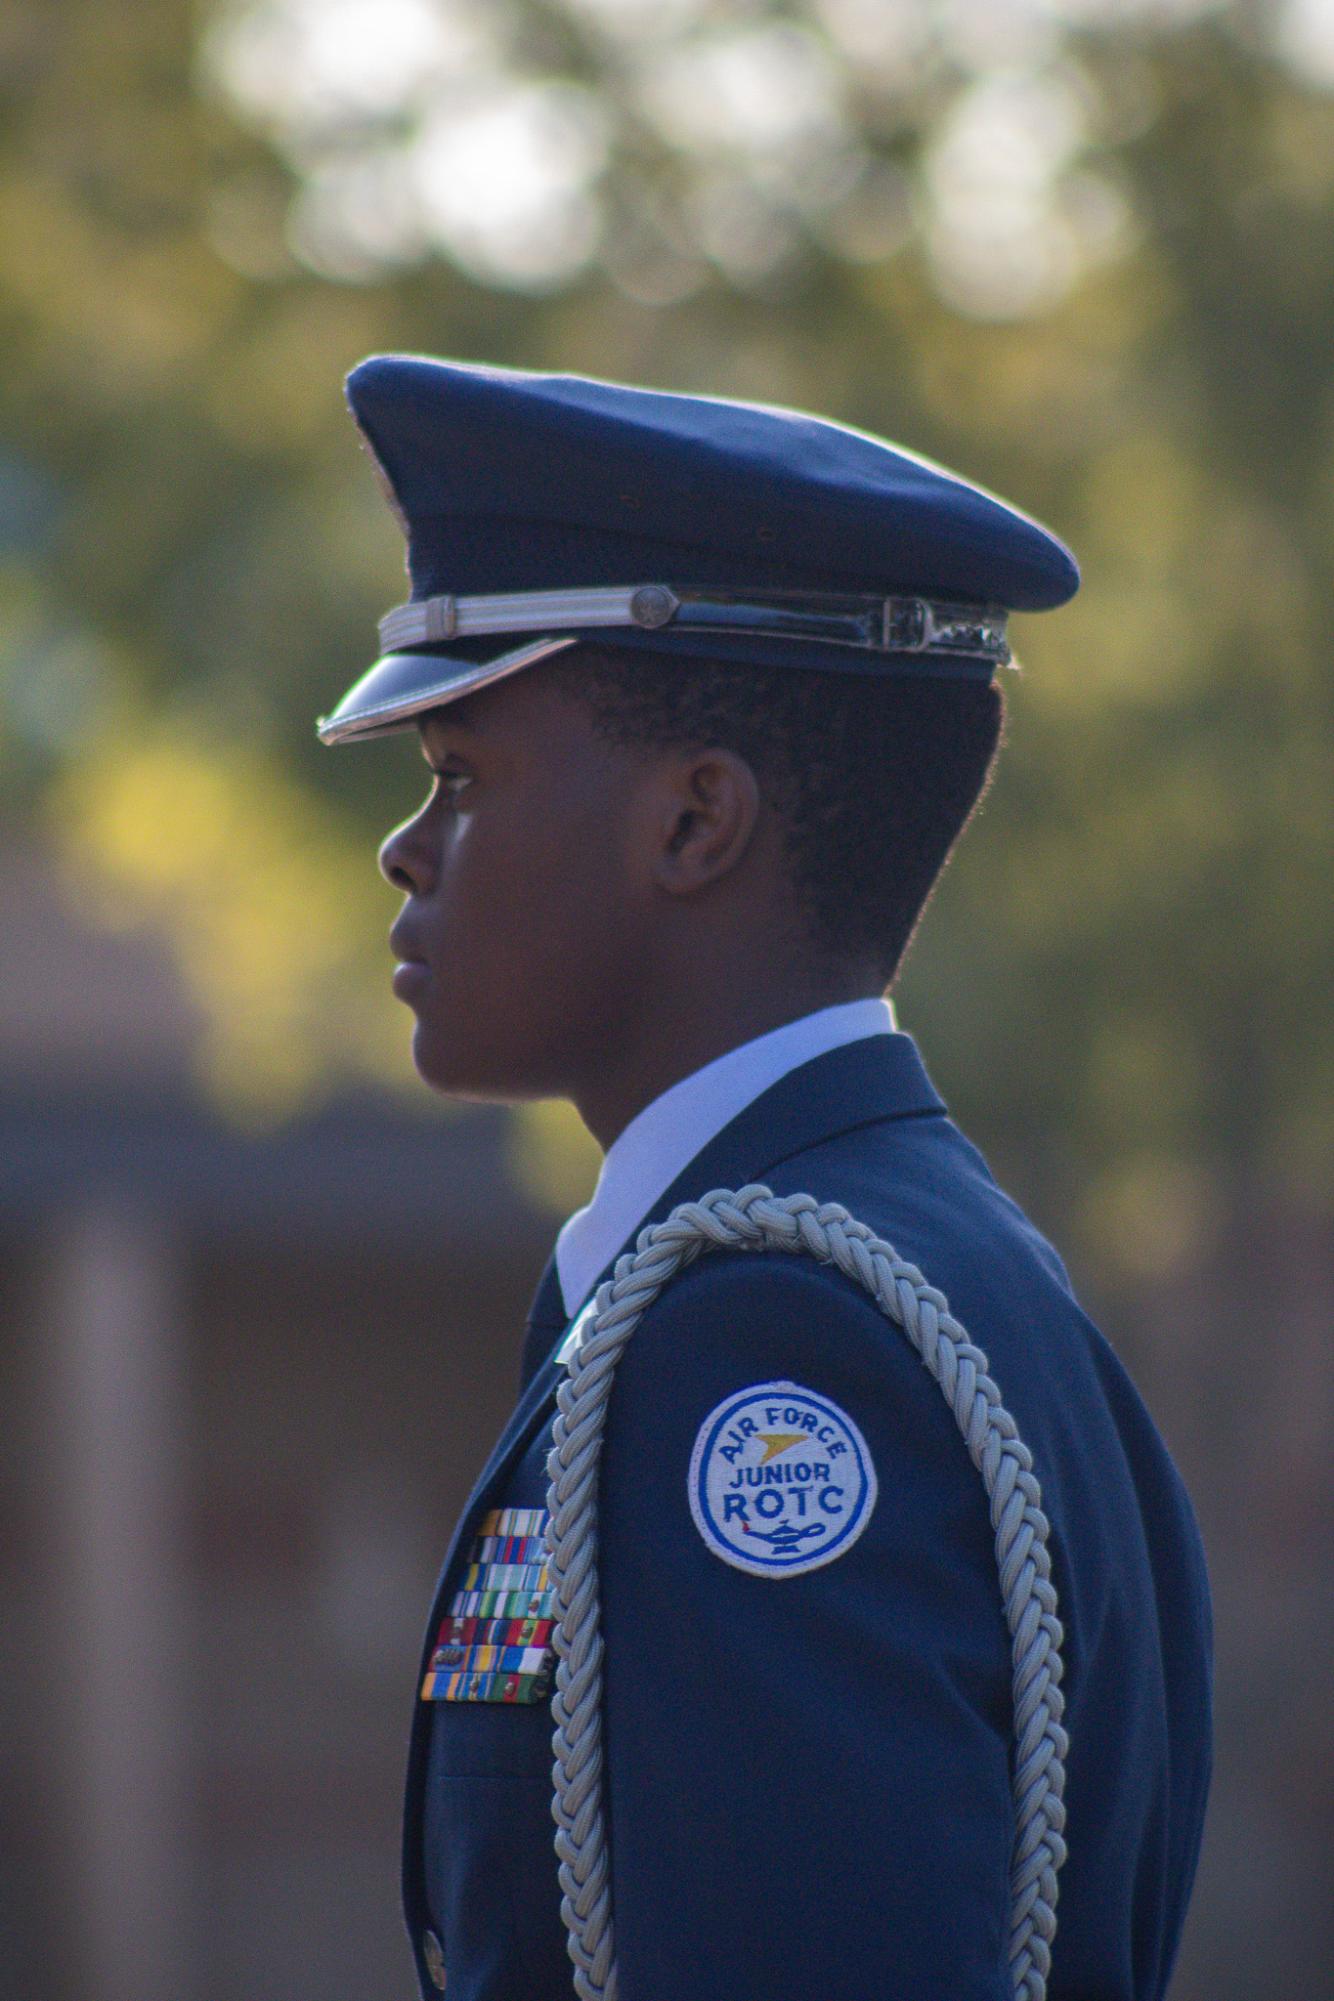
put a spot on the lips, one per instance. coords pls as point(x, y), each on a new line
point(411, 977)
point(412, 971)
point(404, 947)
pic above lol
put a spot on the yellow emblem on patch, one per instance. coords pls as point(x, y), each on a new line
point(778, 1441)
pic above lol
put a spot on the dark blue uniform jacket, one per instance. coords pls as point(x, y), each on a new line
point(808, 1777)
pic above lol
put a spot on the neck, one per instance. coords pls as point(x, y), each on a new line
point(701, 1024)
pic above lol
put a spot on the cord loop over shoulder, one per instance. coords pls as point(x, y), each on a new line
point(754, 1219)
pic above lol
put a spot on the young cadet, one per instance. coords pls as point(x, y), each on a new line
point(707, 693)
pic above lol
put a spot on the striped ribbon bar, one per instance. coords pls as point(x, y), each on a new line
point(494, 1644)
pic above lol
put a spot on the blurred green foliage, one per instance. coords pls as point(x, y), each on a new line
point(1088, 260)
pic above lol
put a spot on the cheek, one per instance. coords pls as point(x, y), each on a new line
point(538, 938)
point(535, 902)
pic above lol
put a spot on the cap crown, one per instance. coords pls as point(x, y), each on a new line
point(542, 510)
point(508, 481)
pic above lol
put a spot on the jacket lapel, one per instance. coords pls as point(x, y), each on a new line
point(546, 1318)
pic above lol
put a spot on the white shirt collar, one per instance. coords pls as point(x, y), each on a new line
point(664, 1138)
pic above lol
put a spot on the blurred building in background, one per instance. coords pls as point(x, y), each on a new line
point(247, 1383)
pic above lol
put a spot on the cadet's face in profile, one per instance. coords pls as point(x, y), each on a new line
point(517, 939)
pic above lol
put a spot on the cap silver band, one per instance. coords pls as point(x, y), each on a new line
point(880, 625)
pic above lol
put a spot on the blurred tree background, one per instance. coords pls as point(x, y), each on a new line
point(1083, 251)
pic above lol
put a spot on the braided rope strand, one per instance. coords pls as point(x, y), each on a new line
point(754, 1219)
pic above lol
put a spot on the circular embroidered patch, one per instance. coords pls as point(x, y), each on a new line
point(781, 1480)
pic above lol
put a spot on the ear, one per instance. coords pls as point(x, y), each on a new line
point(707, 807)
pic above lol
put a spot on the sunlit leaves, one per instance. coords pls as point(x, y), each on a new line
point(747, 131)
point(272, 907)
point(1083, 251)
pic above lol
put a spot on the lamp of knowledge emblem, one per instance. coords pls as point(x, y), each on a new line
point(781, 1480)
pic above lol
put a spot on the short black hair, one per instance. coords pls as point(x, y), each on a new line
point(875, 776)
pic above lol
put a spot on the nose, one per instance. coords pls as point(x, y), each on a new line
point(405, 858)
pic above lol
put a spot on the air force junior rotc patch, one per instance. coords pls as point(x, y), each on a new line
point(781, 1480)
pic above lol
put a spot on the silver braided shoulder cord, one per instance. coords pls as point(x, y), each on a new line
point(754, 1219)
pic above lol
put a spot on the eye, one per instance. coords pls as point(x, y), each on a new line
point(450, 782)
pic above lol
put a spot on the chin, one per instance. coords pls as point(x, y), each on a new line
point(458, 1068)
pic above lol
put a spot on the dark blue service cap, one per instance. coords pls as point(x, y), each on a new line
point(542, 510)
